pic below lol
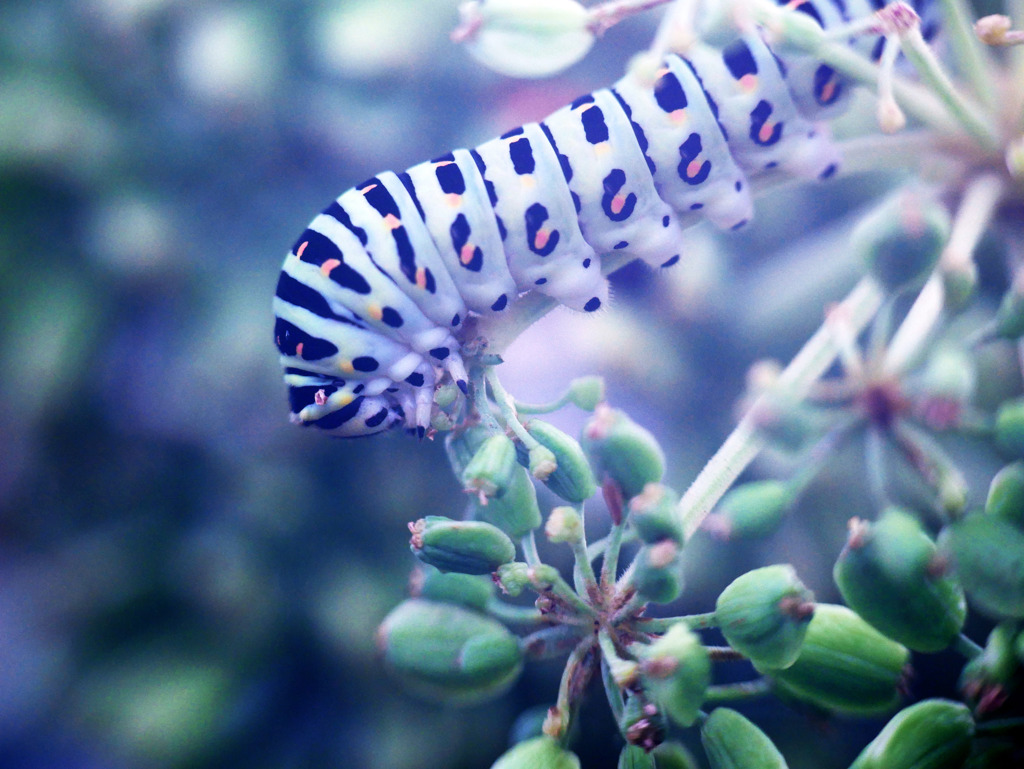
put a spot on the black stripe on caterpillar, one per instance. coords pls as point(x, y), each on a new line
point(374, 293)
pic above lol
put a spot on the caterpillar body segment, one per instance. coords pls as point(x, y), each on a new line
point(373, 298)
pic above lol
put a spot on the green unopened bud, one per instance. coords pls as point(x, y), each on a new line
point(1006, 495)
point(470, 590)
point(764, 615)
point(1009, 320)
point(446, 395)
point(652, 514)
point(634, 757)
point(658, 575)
point(750, 510)
point(542, 462)
point(989, 556)
point(950, 373)
point(901, 240)
point(448, 653)
point(731, 741)
point(537, 753)
point(988, 679)
point(572, 478)
point(675, 671)
point(564, 525)
point(891, 574)
point(959, 282)
point(933, 734)
point(526, 38)
point(621, 450)
point(586, 392)
point(489, 473)
point(516, 512)
point(517, 576)
point(467, 547)
point(441, 422)
point(673, 755)
point(643, 725)
point(462, 445)
point(1009, 432)
point(844, 665)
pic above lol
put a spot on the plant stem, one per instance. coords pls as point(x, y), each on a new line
point(515, 615)
point(612, 691)
point(530, 554)
point(743, 444)
point(662, 624)
point(556, 725)
point(583, 571)
point(745, 690)
point(610, 565)
point(972, 57)
point(965, 646)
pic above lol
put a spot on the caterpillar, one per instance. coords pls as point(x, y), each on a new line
point(374, 293)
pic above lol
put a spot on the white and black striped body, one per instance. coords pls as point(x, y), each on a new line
point(375, 292)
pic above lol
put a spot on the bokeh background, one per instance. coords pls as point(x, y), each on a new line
point(186, 580)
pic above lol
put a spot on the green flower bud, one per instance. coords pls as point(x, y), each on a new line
point(541, 462)
point(949, 374)
point(446, 395)
point(658, 575)
point(564, 525)
point(1006, 495)
point(572, 478)
point(467, 547)
point(675, 671)
point(470, 590)
point(652, 513)
point(462, 445)
point(633, 757)
point(764, 615)
point(900, 241)
point(586, 392)
point(621, 450)
point(526, 38)
point(672, 755)
point(988, 678)
point(517, 576)
point(750, 510)
point(933, 734)
point(844, 665)
point(959, 282)
point(516, 512)
point(1009, 432)
point(989, 556)
point(641, 722)
point(489, 473)
point(731, 741)
point(891, 574)
point(1009, 320)
point(537, 753)
point(448, 653)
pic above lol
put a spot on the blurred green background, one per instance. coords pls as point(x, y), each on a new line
point(185, 579)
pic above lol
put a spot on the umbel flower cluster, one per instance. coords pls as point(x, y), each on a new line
point(907, 574)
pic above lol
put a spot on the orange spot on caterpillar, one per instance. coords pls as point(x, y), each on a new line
point(392, 222)
point(454, 200)
point(298, 349)
point(328, 265)
point(766, 131)
point(748, 82)
point(617, 203)
point(693, 168)
point(301, 248)
point(678, 116)
point(367, 190)
point(602, 149)
point(346, 366)
point(661, 72)
point(528, 181)
point(466, 254)
point(541, 238)
point(421, 278)
point(828, 91)
point(375, 312)
point(320, 398)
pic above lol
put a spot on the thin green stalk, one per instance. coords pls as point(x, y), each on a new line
point(662, 624)
point(556, 725)
point(610, 565)
point(526, 616)
point(745, 690)
point(530, 554)
point(971, 55)
point(583, 570)
point(506, 405)
point(743, 444)
point(623, 671)
point(971, 116)
point(965, 646)
point(612, 692)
